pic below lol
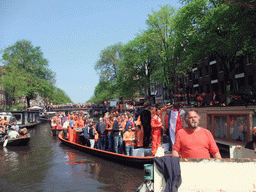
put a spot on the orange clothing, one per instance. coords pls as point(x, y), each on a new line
point(166, 120)
point(109, 126)
point(123, 124)
point(96, 136)
point(156, 142)
point(70, 134)
point(127, 137)
point(139, 137)
point(162, 110)
point(80, 122)
point(139, 133)
point(156, 125)
point(179, 124)
point(75, 125)
point(195, 144)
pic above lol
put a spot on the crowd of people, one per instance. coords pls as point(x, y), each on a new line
point(121, 132)
point(10, 130)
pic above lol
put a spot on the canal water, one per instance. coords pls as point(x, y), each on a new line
point(47, 165)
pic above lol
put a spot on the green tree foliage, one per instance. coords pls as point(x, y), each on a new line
point(138, 66)
point(107, 67)
point(103, 92)
point(108, 64)
point(219, 29)
point(26, 71)
point(59, 96)
point(161, 26)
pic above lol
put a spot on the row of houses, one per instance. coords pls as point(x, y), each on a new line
point(207, 79)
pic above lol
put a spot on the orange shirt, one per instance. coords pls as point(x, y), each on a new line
point(166, 121)
point(123, 124)
point(80, 122)
point(128, 135)
point(156, 125)
point(109, 126)
point(139, 137)
point(195, 144)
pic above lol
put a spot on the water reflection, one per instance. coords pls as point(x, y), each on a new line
point(47, 165)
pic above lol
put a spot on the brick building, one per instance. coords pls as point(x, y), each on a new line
point(207, 77)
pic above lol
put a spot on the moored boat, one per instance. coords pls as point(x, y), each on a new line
point(19, 141)
point(56, 130)
point(134, 161)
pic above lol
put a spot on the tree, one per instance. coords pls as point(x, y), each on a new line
point(59, 96)
point(138, 65)
point(107, 67)
point(26, 71)
point(161, 25)
point(108, 64)
point(103, 92)
point(217, 28)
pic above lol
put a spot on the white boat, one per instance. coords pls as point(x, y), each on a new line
point(234, 174)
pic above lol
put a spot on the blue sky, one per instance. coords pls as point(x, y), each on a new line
point(72, 33)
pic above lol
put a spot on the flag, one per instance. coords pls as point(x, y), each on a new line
point(213, 98)
point(155, 92)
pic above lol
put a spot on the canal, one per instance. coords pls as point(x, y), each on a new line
point(47, 165)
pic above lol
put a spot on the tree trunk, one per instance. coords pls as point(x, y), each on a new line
point(28, 102)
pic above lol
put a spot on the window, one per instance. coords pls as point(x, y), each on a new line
point(249, 59)
point(196, 74)
point(200, 72)
point(213, 69)
point(236, 130)
point(239, 67)
point(250, 80)
point(220, 126)
point(206, 70)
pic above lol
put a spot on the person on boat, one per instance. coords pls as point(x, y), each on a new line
point(15, 126)
point(86, 134)
point(65, 128)
point(251, 144)
point(139, 134)
point(53, 122)
point(145, 118)
point(129, 138)
point(157, 126)
point(13, 134)
point(80, 121)
point(117, 132)
point(70, 130)
point(102, 133)
point(194, 141)
point(5, 124)
point(109, 126)
point(64, 119)
point(92, 133)
point(175, 122)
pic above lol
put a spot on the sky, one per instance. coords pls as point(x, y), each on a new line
point(72, 33)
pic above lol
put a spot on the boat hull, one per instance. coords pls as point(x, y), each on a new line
point(56, 132)
point(119, 158)
point(20, 141)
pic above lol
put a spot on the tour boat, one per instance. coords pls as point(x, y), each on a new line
point(19, 141)
point(134, 161)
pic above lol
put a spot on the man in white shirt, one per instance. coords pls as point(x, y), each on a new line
point(13, 134)
point(65, 128)
point(15, 126)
